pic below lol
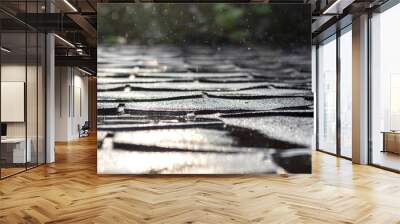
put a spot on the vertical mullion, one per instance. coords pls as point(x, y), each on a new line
point(26, 86)
point(69, 92)
point(60, 76)
point(45, 91)
point(73, 92)
point(45, 88)
point(317, 96)
point(37, 89)
point(0, 90)
point(338, 98)
point(369, 78)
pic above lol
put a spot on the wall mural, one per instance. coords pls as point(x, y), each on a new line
point(204, 89)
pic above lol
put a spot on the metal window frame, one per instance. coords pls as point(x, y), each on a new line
point(381, 9)
point(386, 6)
point(340, 30)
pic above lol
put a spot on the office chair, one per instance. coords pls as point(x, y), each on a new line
point(84, 130)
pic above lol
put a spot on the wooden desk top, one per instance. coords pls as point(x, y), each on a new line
point(391, 132)
point(13, 140)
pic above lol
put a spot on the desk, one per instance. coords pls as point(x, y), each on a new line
point(16, 148)
point(391, 141)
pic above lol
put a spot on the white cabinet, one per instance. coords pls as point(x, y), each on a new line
point(19, 155)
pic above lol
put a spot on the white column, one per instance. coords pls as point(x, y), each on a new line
point(50, 99)
point(360, 90)
point(50, 92)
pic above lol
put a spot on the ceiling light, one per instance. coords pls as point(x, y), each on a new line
point(84, 71)
point(79, 51)
point(337, 7)
point(70, 5)
point(65, 41)
point(5, 50)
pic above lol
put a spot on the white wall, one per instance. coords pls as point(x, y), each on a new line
point(13, 102)
point(14, 73)
point(80, 109)
point(62, 80)
point(71, 87)
point(33, 125)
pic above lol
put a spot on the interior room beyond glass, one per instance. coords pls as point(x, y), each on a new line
point(385, 89)
point(22, 77)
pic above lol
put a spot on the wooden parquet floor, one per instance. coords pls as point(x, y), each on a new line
point(70, 191)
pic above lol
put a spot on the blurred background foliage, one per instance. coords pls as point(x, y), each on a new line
point(283, 25)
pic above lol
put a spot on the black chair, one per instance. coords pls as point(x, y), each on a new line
point(84, 130)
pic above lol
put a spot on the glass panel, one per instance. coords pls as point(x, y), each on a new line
point(41, 99)
point(346, 94)
point(13, 86)
point(23, 90)
point(32, 89)
point(327, 96)
point(31, 97)
point(385, 87)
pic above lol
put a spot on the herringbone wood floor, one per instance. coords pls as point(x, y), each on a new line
point(70, 191)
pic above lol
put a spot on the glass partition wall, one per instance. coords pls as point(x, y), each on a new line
point(13, 84)
point(22, 99)
point(345, 90)
point(385, 89)
point(327, 95)
point(334, 86)
point(334, 101)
